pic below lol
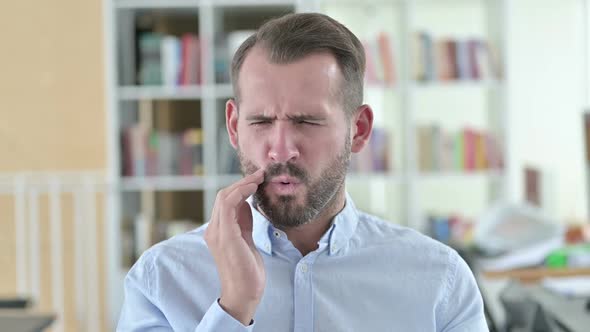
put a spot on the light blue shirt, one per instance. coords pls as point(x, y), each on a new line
point(366, 275)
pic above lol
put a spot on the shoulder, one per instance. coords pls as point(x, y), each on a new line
point(374, 231)
point(177, 247)
point(436, 264)
point(175, 254)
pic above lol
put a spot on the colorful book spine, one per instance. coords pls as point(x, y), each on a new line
point(386, 56)
point(467, 150)
point(150, 71)
point(156, 153)
point(447, 59)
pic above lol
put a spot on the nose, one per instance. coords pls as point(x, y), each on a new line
point(282, 144)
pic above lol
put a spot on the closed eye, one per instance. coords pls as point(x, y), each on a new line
point(260, 123)
point(307, 122)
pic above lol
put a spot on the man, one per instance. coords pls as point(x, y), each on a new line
point(286, 249)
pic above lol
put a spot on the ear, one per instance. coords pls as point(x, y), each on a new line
point(231, 121)
point(362, 125)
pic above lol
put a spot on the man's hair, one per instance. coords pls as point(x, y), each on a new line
point(291, 37)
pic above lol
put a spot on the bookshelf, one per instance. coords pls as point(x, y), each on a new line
point(145, 202)
point(465, 100)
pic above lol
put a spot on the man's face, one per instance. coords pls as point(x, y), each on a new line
point(290, 122)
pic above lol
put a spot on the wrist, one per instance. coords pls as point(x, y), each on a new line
point(240, 310)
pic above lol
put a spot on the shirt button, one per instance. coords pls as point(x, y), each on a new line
point(303, 268)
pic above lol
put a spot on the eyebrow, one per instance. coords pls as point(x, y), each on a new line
point(300, 117)
point(258, 117)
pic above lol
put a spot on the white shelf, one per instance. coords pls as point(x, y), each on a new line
point(189, 183)
point(379, 177)
point(494, 175)
point(191, 92)
point(455, 84)
point(160, 92)
point(173, 183)
point(223, 90)
point(140, 4)
point(177, 183)
point(253, 3)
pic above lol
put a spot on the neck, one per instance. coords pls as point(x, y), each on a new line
point(306, 237)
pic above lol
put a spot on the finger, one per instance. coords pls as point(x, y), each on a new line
point(222, 204)
point(245, 220)
point(241, 193)
point(228, 222)
point(256, 177)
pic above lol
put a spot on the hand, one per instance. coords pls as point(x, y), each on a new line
point(229, 238)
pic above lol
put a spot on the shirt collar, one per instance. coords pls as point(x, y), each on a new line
point(343, 227)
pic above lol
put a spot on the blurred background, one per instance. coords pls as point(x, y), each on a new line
point(113, 138)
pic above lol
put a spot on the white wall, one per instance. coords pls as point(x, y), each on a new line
point(546, 69)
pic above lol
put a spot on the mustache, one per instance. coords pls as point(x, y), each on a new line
point(289, 168)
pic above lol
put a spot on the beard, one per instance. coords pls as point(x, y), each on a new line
point(320, 193)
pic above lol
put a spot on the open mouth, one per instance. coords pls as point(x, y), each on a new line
point(285, 180)
point(284, 184)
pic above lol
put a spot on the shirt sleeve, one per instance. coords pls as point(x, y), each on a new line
point(140, 310)
point(462, 308)
point(217, 319)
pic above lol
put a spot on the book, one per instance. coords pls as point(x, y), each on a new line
point(474, 72)
point(171, 55)
point(376, 156)
point(459, 151)
point(190, 71)
point(380, 60)
point(482, 58)
point(447, 59)
point(462, 60)
point(387, 59)
point(418, 54)
point(192, 146)
point(453, 65)
point(157, 152)
point(380, 147)
point(469, 146)
point(480, 151)
point(127, 158)
point(436, 147)
point(424, 140)
point(532, 185)
point(150, 70)
point(428, 57)
point(443, 61)
point(467, 150)
point(138, 150)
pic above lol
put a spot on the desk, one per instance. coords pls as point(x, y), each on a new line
point(533, 308)
point(535, 274)
point(22, 320)
point(569, 312)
